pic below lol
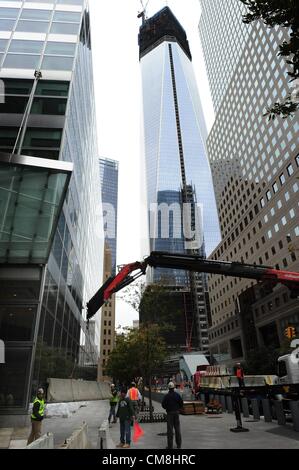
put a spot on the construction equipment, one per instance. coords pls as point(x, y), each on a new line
point(194, 263)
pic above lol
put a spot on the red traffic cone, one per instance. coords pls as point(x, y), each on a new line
point(137, 432)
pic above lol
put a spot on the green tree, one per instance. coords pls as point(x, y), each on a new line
point(283, 13)
point(121, 363)
point(151, 351)
point(138, 353)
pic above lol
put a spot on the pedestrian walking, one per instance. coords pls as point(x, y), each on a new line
point(125, 413)
point(173, 403)
point(37, 416)
point(113, 404)
point(135, 397)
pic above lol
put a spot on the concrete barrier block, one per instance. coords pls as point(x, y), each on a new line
point(78, 440)
point(44, 442)
point(104, 439)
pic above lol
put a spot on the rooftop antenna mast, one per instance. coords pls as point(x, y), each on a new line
point(143, 14)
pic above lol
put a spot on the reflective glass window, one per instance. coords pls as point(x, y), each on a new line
point(13, 377)
point(32, 26)
point(17, 87)
point(16, 322)
point(3, 44)
point(64, 28)
point(52, 88)
point(21, 61)
point(14, 104)
point(8, 136)
point(57, 63)
point(48, 106)
point(26, 46)
point(67, 16)
point(60, 48)
point(43, 137)
point(28, 14)
point(7, 25)
point(9, 12)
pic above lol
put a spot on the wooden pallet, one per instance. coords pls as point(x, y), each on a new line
point(193, 408)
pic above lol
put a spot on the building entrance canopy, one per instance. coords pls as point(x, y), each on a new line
point(32, 193)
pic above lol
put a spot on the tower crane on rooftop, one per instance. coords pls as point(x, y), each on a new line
point(143, 14)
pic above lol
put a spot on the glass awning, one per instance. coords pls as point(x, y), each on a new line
point(32, 193)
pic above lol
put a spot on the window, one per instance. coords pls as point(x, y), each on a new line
point(52, 88)
point(28, 14)
point(3, 44)
point(32, 26)
point(68, 16)
point(60, 48)
point(275, 188)
point(30, 47)
point(51, 106)
point(22, 61)
point(9, 12)
point(57, 63)
point(42, 137)
point(290, 170)
point(268, 195)
point(64, 28)
point(7, 25)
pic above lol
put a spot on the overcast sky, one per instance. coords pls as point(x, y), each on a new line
point(117, 79)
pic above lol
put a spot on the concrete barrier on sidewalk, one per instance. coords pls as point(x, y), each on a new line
point(104, 439)
point(78, 440)
point(67, 390)
point(44, 442)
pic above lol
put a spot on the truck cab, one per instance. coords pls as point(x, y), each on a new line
point(288, 368)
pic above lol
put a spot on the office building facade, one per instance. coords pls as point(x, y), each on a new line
point(178, 174)
point(255, 167)
point(48, 115)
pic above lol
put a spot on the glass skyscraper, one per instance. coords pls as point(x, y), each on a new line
point(109, 188)
point(177, 168)
point(48, 117)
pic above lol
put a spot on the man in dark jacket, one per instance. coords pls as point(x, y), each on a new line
point(173, 403)
point(37, 416)
point(125, 413)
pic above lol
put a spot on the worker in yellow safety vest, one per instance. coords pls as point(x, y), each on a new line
point(37, 416)
point(134, 395)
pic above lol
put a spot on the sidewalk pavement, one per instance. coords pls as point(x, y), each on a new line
point(213, 432)
point(198, 431)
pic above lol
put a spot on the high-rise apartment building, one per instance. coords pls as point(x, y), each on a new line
point(255, 167)
point(178, 174)
point(48, 116)
point(109, 188)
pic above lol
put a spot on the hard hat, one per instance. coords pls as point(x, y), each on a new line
point(171, 385)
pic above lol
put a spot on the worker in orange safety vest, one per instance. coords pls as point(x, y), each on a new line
point(240, 374)
point(135, 397)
